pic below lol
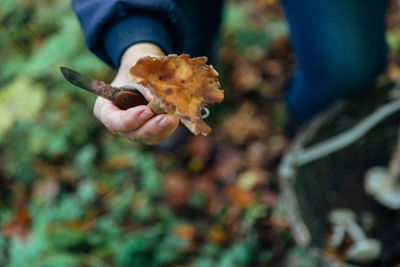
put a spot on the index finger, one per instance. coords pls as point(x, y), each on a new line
point(117, 120)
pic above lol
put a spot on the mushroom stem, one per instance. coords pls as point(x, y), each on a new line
point(384, 183)
point(364, 249)
point(337, 236)
point(341, 219)
point(355, 231)
point(154, 105)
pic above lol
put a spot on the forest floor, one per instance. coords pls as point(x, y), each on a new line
point(72, 194)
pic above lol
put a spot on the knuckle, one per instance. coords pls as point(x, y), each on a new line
point(146, 134)
point(127, 122)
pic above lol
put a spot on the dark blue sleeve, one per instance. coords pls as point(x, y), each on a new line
point(111, 26)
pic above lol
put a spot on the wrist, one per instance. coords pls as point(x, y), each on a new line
point(136, 51)
point(129, 58)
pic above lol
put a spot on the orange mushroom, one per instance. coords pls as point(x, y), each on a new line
point(180, 85)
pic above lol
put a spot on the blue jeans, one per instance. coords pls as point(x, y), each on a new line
point(339, 44)
point(340, 48)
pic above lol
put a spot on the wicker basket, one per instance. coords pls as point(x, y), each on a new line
point(325, 169)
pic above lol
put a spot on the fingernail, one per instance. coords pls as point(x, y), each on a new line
point(165, 123)
point(145, 115)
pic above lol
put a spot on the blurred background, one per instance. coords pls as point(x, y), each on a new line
point(73, 194)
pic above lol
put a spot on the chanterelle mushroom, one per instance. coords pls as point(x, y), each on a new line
point(179, 85)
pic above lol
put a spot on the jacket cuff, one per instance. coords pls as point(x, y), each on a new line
point(135, 29)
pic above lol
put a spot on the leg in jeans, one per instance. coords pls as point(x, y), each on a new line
point(340, 49)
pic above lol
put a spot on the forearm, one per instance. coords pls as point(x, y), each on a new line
point(111, 26)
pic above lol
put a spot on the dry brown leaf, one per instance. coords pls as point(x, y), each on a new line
point(246, 77)
point(176, 188)
point(246, 123)
point(217, 235)
point(240, 197)
point(179, 85)
point(185, 231)
point(19, 227)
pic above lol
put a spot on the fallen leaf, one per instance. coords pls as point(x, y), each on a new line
point(195, 164)
point(200, 146)
point(240, 197)
point(46, 189)
point(14, 102)
point(278, 222)
point(251, 178)
point(393, 72)
point(246, 77)
point(276, 146)
point(185, 231)
point(255, 154)
point(217, 235)
point(272, 66)
point(118, 161)
point(176, 189)
point(19, 227)
point(229, 162)
point(204, 185)
point(269, 198)
point(245, 124)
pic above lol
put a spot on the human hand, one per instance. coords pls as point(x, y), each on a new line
point(137, 123)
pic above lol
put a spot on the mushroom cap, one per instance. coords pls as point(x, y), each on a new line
point(342, 216)
point(374, 179)
point(179, 85)
point(364, 251)
point(379, 185)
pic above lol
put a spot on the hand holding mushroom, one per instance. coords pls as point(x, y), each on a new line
point(177, 87)
point(138, 123)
